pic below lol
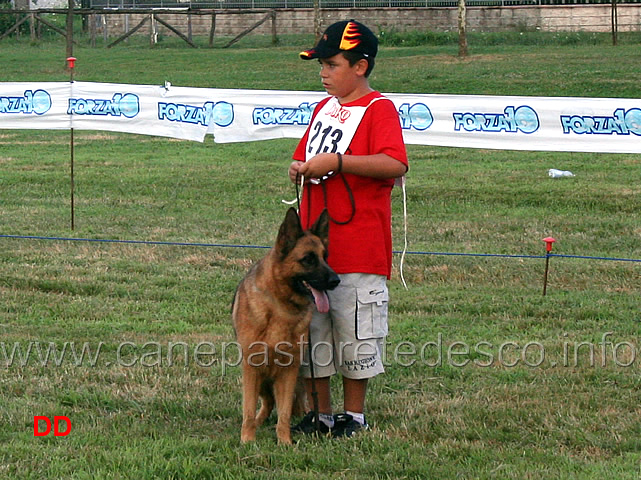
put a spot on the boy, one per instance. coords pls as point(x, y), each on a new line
point(355, 141)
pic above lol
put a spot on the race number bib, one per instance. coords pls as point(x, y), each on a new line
point(334, 128)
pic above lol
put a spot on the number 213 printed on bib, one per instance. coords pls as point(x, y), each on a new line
point(324, 140)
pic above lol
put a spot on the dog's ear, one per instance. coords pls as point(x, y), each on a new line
point(289, 233)
point(321, 227)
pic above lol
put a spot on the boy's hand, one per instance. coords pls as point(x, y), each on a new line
point(320, 165)
point(294, 168)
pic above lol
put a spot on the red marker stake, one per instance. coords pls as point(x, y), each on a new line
point(71, 63)
point(548, 248)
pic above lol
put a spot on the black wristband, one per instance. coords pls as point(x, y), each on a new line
point(340, 162)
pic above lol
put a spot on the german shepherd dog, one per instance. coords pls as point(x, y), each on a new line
point(271, 312)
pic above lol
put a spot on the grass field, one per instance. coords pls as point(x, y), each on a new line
point(486, 378)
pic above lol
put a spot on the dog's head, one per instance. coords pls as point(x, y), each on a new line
point(303, 255)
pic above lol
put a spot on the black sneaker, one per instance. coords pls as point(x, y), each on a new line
point(346, 426)
point(308, 425)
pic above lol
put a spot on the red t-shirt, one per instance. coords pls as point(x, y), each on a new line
point(364, 244)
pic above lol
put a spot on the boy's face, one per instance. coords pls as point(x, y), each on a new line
point(341, 79)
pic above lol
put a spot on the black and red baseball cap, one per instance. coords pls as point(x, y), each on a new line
point(348, 35)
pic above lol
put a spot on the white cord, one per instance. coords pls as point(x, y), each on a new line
point(295, 201)
point(404, 231)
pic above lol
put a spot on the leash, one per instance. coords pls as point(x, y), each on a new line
point(398, 182)
point(315, 406)
point(351, 201)
point(321, 181)
point(300, 180)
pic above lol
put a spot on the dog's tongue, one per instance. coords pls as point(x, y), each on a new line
point(322, 302)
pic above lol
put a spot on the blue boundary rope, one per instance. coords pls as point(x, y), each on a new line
point(454, 254)
point(612, 259)
point(225, 245)
point(135, 242)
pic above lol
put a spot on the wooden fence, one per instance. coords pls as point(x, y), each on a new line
point(96, 20)
point(116, 25)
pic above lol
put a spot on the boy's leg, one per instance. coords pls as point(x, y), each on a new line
point(354, 394)
point(353, 420)
point(360, 327)
point(324, 394)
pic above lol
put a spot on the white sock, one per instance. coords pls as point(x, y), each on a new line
point(326, 419)
point(359, 417)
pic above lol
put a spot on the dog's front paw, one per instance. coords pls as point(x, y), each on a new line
point(248, 432)
point(284, 434)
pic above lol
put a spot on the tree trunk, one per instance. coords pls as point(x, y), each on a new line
point(615, 23)
point(462, 33)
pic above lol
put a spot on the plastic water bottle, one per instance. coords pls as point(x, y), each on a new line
point(554, 173)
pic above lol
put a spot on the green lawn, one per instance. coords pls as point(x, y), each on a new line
point(486, 378)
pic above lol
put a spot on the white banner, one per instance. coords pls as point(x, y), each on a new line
point(167, 111)
point(144, 109)
point(34, 106)
point(494, 122)
point(562, 124)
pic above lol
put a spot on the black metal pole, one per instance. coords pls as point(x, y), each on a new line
point(545, 276)
point(71, 63)
point(548, 250)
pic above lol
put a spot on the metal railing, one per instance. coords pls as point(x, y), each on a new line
point(271, 4)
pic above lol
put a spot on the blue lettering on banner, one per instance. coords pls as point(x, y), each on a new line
point(620, 123)
point(417, 116)
point(300, 115)
point(522, 119)
point(221, 113)
point(38, 102)
point(127, 105)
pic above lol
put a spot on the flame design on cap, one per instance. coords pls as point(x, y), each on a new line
point(351, 37)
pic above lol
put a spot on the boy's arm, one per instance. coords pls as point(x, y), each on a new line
point(378, 165)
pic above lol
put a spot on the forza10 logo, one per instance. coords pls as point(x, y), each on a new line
point(621, 123)
point(522, 119)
